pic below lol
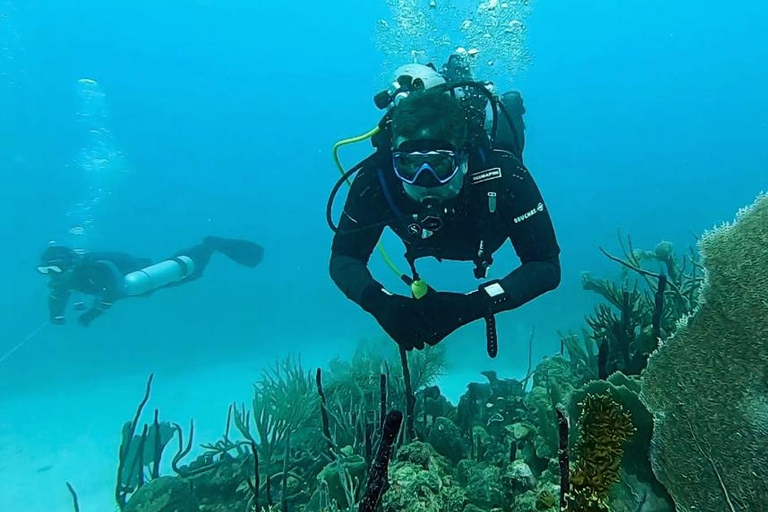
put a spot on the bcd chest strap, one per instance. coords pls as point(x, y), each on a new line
point(487, 189)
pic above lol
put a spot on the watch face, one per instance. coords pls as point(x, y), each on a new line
point(414, 229)
point(494, 290)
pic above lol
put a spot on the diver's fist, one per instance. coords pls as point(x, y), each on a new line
point(58, 320)
point(399, 316)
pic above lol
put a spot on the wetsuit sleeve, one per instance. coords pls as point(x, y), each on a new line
point(533, 236)
point(58, 297)
point(105, 279)
point(360, 227)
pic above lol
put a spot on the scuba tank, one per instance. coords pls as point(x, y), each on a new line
point(160, 274)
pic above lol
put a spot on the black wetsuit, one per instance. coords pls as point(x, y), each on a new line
point(499, 201)
point(101, 274)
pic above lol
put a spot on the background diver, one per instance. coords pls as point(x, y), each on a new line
point(451, 186)
point(110, 276)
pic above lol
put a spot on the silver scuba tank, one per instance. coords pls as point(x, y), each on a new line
point(158, 275)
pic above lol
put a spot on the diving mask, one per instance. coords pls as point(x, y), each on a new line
point(50, 269)
point(430, 168)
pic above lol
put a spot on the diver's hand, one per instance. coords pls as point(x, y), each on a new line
point(444, 312)
point(86, 318)
point(401, 317)
point(58, 320)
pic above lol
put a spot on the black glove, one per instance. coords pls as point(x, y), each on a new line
point(444, 312)
point(89, 316)
point(401, 317)
point(58, 320)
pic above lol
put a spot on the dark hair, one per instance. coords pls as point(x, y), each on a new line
point(436, 111)
point(59, 255)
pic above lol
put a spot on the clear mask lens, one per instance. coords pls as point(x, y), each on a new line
point(49, 269)
point(442, 165)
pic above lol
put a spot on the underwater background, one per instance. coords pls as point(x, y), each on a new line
point(144, 126)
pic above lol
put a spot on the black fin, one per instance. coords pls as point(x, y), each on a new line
point(243, 252)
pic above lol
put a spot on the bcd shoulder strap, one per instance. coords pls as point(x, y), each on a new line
point(488, 188)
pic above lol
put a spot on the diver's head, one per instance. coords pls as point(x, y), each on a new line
point(57, 260)
point(429, 145)
point(405, 80)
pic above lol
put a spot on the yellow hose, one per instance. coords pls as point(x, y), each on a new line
point(353, 140)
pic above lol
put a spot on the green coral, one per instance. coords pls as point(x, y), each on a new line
point(165, 494)
point(427, 366)
point(420, 481)
point(552, 384)
point(447, 440)
point(424, 456)
point(545, 500)
point(352, 387)
point(490, 404)
point(636, 467)
point(543, 414)
point(414, 489)
point(704, 384)
point(285, 402)
point(624, 391)
point(338, 474)
point(287, 391)
point(482, 483)
point(604, 429)
point(582, 355)
point(556, 375)
point(624, 328)
point(517, 479)
point(354, 379)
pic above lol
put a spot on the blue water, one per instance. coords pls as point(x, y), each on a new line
point(645, 116)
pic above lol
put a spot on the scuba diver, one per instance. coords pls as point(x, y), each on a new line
point(110, 276)
point(452, 185)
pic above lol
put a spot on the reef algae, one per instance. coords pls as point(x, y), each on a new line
point(605, 427)
point(637, 487)
point(709, 445)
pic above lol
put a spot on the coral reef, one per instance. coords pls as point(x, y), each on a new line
point(638, 313)
point(490, 465)
point(165, 494)
point(445, 437)
point(500, 462)
point(604, 429)
point(703, 385)
point(421, 481)
point(666, 390)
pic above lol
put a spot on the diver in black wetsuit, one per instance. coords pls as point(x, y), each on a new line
point(110, 276)
point(449, 192)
